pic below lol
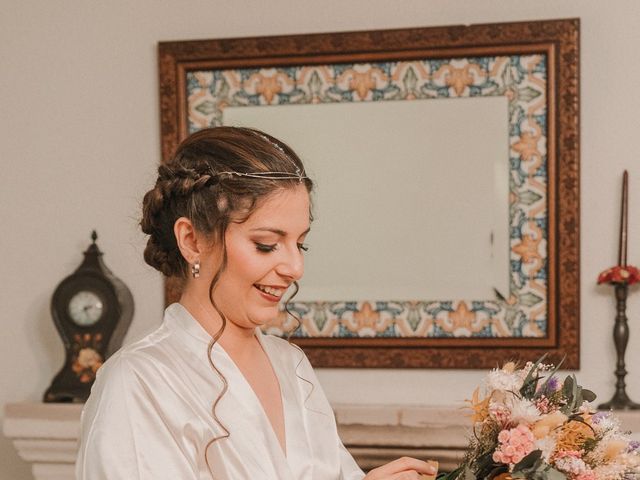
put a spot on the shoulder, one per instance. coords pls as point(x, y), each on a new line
point(126, 365)
point(128, 380)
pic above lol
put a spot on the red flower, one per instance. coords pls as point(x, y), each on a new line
point(620, 275)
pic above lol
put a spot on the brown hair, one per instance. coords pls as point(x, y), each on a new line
point(196, 184)
point(192, 185)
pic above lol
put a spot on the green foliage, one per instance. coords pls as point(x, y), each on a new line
point(478, 463)
point(551, 374)
point(529, 461)
point(590, 444)
point(575, 395)
point(533, 467)
point(451, 475)
point(530, 382)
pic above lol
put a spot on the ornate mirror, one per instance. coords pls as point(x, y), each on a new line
point(446, 160)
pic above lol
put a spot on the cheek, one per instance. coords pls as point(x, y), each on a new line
point(245, 266)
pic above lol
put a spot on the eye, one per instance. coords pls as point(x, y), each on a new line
point(303, 246)
point(265, 248)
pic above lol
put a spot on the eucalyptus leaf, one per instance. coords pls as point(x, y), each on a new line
point(468, 474)
point(567, 392)
point(553, 474)
point(528, 461)
point(497, 471)
point(575, 394)
point(567, 388)
point(588, 395)
point(451, 475)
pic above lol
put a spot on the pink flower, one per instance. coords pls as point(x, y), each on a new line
point(515, 444)
point(587, 475)
point(569, 453)
point(543, 404)
point(500, 412)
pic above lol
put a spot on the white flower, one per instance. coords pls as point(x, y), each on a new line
point(547, 446)
point(501, 380)
point(608, 423)
point(586, 408)
point(522, 410)
point(572, 465)
point(610, 471)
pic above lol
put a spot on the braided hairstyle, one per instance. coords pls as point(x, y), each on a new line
point(192, 185)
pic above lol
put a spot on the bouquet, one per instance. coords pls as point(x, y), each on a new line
point(529, 424)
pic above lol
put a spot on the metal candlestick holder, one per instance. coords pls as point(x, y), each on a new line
point(620, 278)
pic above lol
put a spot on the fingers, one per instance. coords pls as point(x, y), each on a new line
point(405, 465)
point(411, 475)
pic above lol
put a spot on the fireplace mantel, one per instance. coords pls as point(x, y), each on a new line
point(46, 435)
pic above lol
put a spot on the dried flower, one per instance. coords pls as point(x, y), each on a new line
point(573, 435)
point(515, 444)
point(565, 437)
point(479, 406)
point(503, 380)
point(627, 275)
point(543, 427)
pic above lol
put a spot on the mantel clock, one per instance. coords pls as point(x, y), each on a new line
point(92, 310)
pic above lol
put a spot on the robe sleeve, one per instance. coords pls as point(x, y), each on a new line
point(124, 433)
point(349, 469)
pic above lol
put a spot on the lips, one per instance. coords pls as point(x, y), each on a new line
point(273, 292)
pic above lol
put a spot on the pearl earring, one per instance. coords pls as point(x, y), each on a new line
point(195, 269)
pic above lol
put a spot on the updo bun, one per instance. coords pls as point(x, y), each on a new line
point(193, 184)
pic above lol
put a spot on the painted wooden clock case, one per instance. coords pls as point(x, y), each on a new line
point(92, 310)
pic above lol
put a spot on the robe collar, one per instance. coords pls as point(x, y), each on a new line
point(182, 323)
point(178, 318)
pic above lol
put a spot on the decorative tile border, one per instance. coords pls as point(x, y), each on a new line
point(520, 78)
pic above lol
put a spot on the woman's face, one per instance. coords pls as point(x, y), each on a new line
point(264, 257)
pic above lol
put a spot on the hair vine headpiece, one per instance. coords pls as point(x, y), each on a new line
point(271, 142)
point(299, 175)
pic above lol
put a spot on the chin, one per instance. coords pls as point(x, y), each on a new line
point(264, 317)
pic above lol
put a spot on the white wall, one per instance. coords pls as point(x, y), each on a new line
point(80, 138)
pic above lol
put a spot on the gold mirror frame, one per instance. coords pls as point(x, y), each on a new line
point(556, 41)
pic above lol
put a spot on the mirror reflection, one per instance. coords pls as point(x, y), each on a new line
point(411, 200)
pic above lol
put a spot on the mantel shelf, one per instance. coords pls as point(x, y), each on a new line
point(46, 435)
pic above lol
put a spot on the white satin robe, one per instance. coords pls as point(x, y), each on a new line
point(149, 414)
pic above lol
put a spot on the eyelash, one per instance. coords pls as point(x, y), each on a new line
point(264, 248)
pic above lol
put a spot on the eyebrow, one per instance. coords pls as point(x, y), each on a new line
point(277, 231)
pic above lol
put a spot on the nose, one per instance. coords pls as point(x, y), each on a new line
point(292, 264)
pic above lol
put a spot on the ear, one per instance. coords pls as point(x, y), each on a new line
point(189, 241)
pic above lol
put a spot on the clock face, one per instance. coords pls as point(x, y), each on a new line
point(85, 308)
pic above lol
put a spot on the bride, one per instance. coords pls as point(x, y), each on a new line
point(208, 395)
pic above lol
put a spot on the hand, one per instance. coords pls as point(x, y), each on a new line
point(405, 468)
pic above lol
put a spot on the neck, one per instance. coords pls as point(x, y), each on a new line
point(233, 337)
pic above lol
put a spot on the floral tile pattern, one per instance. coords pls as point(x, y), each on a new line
point(522, 79)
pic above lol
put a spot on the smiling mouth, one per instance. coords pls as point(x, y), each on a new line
point(274, 292)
